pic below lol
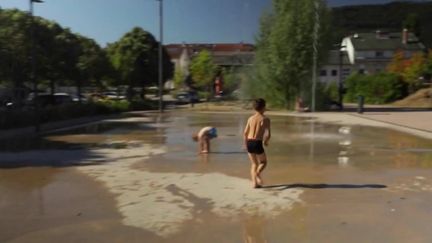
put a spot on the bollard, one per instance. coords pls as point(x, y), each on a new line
point(360, 107)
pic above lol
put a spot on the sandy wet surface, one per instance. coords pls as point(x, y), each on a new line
point(140, 180)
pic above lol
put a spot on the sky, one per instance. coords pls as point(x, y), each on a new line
point(191, 21)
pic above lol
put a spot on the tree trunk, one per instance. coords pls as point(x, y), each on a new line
point(142, 93)
point(130, 93)
point(79, 90)
point(52, 86)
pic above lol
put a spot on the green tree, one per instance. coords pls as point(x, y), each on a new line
point(428, 65)
point(135, 59)
point(203, 70)
point(15, 50)
point(179, 78)
point(258, 79)
point(61, 57)
point(284, 50)
point(93, 63)
point(398, 63)
point(410, 70)
point(414, 70)
point(412, 23)
point(231, 79)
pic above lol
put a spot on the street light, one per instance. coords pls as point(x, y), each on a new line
point(315, 53)
point(160, 55)
point(340, 81)
point(33, 66)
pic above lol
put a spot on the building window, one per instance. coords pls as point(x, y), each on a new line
point(323, 73)
point(334, 73)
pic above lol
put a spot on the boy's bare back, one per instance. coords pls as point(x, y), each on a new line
point(256, 127)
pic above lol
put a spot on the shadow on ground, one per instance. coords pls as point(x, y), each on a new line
point(229, 152)
point(76, 149)
point(325, 186)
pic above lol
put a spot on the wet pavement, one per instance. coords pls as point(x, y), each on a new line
point(140, 180)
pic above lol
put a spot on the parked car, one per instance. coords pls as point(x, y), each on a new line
point(187, 97)
point(333, 105)
point(75, 98)
point(7, 105)
point(44, 100)
point(113, 96)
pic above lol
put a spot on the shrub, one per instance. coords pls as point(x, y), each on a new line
point(136, 105)
point(377, 89)
point(332, 91)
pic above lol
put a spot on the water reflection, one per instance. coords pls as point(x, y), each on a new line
point(253, 230)
point(312, 141)
point(345, 143)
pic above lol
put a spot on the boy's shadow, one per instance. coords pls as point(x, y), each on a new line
point(324, 186)
point(229, 152)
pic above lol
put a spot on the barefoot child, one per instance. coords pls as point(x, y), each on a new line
point(254, 137)
point(203, 138)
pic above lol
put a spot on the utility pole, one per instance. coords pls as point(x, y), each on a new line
point(33, 67)
point(315, 54)
point(160, 56)
point(340, 85)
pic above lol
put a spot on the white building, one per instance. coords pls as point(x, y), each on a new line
point(337, 63)
point(371, 53)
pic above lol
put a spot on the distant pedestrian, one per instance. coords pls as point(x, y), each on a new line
point(254, 137)
point(203, 138)
point(300, 107)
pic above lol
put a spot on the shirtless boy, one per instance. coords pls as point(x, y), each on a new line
point(203, 138)
point(254, 138)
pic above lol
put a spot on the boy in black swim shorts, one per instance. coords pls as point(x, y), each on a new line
point(254, 137)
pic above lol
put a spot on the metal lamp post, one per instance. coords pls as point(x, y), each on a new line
point(33, 66)
point(315, 54)
point(160, 56)
point(340, 83)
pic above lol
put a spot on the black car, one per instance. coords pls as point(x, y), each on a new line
point(187, 97)
point(44, 100)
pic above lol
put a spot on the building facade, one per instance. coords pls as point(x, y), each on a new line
point(370, 53)
point(367, 53)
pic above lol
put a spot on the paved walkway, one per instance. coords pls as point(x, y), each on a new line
point(416, 120)
point(416, 123)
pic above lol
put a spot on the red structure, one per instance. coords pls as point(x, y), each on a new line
point(218, 85)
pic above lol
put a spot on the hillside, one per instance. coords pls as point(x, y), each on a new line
point(390, 17)
point(422, 98)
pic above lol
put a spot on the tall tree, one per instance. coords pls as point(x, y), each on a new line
point(15, 50)
point(412, 23)
point(398, 63)
point(93, 63)
point(428, 65)
point(203, 70)
point(285, 48)
point(135, 59)
point(414, 70)
point(61, 57)
point(410, 70)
